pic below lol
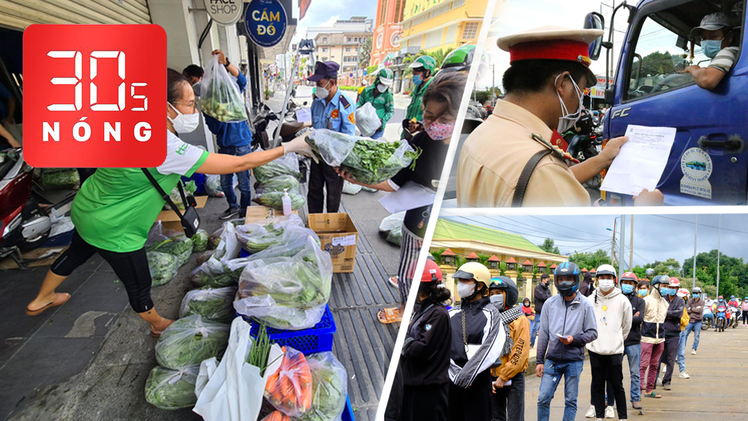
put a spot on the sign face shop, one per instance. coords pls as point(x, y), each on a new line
point(94, 96)
point(225, 12)
point(266, 22)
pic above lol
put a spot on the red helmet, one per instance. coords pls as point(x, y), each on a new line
point(629, 276)
point(431, 272)
point(674, 282)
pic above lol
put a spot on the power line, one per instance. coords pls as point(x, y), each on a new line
point(701, 225)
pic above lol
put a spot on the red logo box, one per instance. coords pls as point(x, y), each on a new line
point(94, 95)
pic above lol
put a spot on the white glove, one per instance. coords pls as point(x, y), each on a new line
point(299, 145)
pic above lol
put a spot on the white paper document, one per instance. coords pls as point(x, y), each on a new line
point(641, 161)
point(304, 115)
point(409, 196)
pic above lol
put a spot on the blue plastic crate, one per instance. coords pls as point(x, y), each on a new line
point(348, 411)
point(308, 341)
point(199, 182)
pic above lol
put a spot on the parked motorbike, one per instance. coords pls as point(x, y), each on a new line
point(707, 323)
point(721, 319)
point(23, 223)
point(585, 144)
point(290, 128)
point(735, 319)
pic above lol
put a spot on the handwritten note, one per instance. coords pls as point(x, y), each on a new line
point(641, 161)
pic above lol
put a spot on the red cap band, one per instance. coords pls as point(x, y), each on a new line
point(551, 50)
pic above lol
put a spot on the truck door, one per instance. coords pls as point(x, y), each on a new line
point(708, 163)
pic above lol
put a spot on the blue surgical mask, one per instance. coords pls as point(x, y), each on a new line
point(643, 292)
point(627, 289)
point(417, 80)
point(711, 47)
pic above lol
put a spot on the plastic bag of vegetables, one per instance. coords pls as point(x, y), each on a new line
point(60, 178)
point(220, 96)
point(279, 184)
point(211, 303)
point(172, 389)
point(275, 200)
point(199, 241)
point(368, 161)
point(162, 266)
point(290, 389)
point(213, 185)
point(176, 197)
point(216, 272)
point(257, 237)
point(172, 242)
point(286, 292)
point(391, 228)
point(329, 388)
point(190, 340)
point(294, 240)
point(285, 165)
point(350, 188)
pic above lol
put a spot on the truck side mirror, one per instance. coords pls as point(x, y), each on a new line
point(610, 95)
point(595, 20)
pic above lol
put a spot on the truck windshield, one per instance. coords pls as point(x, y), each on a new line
point(664, 47)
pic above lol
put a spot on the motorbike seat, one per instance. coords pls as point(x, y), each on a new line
point(290, 128)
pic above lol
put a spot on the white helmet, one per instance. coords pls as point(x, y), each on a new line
point(607, 270)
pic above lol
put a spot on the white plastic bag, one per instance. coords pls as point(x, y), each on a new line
point(233, 390)
point(330, 382)
point(350, 188)
point(220, 97)
point(212, 184)
point(214, 272)
point(332, 147)
point(392, 222)
point(171, 389)
point(214, 304)
point(367, 119)
point(256, 237)
point(60, 223)
point(190, 340)
point(286, 292)
point(285, 165)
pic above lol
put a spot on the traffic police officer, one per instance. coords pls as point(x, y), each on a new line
point(549, 71)
point(331, 110)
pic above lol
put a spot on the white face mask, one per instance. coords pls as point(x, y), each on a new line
point(568, 120)
point(323, 92)
point(184, 123)
point(465, 290)
point(381, 88)
point(498, 301)
point(606, 284)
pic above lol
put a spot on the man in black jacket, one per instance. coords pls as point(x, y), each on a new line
point(632, 346)
point(672, 330)
point(542, 294)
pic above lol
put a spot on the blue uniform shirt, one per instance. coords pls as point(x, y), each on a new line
point(231, 134)
point(338, 115)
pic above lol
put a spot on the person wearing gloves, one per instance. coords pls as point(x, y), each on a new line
point(441, 102)
point(632, 347)
point(653, 334)
point(332, 110)
point(423, 68)
point(672, 329)
point(541, 294)
point(568, 324)
point(613, 314)
point(116, 207)
point(508, 403)
point(478, 338)
point(425, 354)
point(380, 97)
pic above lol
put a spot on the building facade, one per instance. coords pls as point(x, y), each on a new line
point(432, 24)
point(387, 31)
point(341, 43)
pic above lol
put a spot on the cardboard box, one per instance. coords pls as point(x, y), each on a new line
point(338, 236)
point(260, 213)
point(170, 220)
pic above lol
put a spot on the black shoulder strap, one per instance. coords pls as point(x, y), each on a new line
point(166, 196)
point(524, 177)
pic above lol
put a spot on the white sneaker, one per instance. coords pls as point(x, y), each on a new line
point(684, 375)
point(693, 352)
point(609, 412)
point(664, 368)
point(591, 412)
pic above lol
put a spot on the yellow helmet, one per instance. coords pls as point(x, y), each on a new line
point(474, 270)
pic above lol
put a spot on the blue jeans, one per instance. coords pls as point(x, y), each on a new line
point(552, 372)
point(535, 330)
point(227, 180)
point(378, 134)
point(634, 354)
point(696, 328)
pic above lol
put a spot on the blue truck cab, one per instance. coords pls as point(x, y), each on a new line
point(708, 162)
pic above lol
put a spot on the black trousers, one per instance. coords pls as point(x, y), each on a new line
point(473, 403)
point(425, 403)
point(610, 368)
point(668, 357)
point(508, 403)
point(745, 317)
point(321, 177)
point(609, 394)
point(131, 268)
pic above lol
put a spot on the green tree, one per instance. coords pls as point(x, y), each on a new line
point(502, 268)
point(656, 63)
point(549, 246)
point(590, 260)
point(437, 254)
point(364, 54)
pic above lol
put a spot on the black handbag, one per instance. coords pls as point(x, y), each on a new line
point(190, 219)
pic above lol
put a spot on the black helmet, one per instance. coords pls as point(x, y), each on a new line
point(507, 285)
point(567, 288)
point(660, 279)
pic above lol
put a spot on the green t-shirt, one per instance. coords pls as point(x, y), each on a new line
point(116, 207)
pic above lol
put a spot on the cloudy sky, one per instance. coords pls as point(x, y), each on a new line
point(521, 15)
point(326, 12)
point(656, 237)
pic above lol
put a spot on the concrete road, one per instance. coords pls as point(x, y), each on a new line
point(715, 391)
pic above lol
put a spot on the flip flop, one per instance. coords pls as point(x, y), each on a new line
point(653, 395)
point(60, 299)
point(389, 315)
point(393, 281)
point(156, 334)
